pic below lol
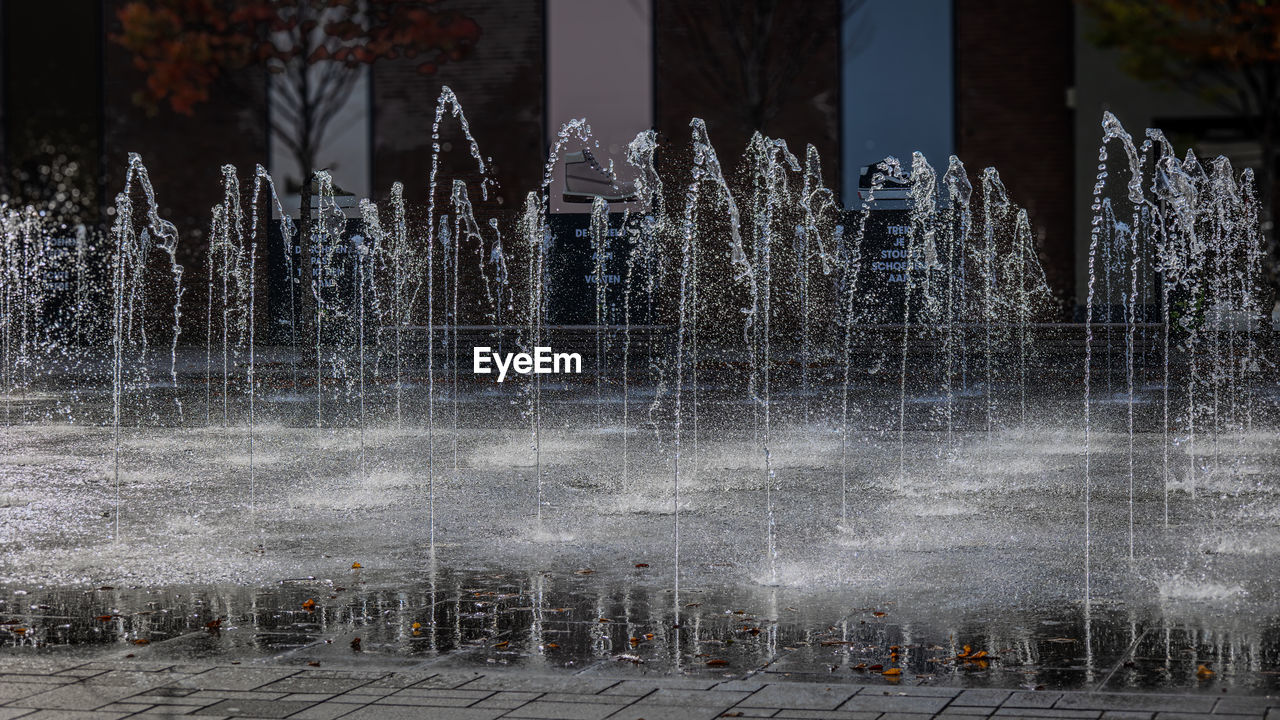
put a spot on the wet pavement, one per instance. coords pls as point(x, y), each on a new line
point(955, 565)
point(136, 688)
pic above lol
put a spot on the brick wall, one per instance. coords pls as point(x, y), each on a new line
point(1013, 66)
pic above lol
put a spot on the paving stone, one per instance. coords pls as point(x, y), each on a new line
point(441, 680)
point(644, 687)
point(323, 711)
point(982, 696)
point(235, 678)
point(370, 692)
point(420, 701)
point(1117, 701)
point(906, 716)
point(1245, 705)
point(541, 683)
point(340, 674)
point(9, 713)
point(402, 679)
point(564, 711)
point(138, 678)
point(863, 702)
point(1273, 714)
point(1031, 699)
point(504, 701)
point(1180, 716)
point(827, 715)
point(171, 691)
point(578, 697)
point(800, 697)
point(193, 668)
point(1049, 713)
point(327, 686)
point(236, 695)
point(306, 697)
point(126, 707)
point(640, 711)
point(696, 698)
point(970, 711)
point(1126, 715)
point(253, 708)
point(80, 672)
point(17, 690)
point(40, 678)
point(153, 715)
point(76, 697)
point(750, 712)
point(405, 712)
point(912, 690)
point(36, 666)
point(744, 685)
point(445, 693)
point(171, 700)
point(72, 715)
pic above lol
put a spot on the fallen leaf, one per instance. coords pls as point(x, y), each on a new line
point(648, 636)
point(142, 641)
point(355, 644)
point(552, 646)
point(877, 613)
point(876, 668)
point(892, 672)
point(1203, 672)
point(416, 625)
point(20, 631)
point(604, 620)
point(214, 624)
point(642, 565)
point(356, 566)
point(717, 662)
point(860, 666)
point(309, 604)
point(502, 644)
point(105, 618)
point(634, 641)
point(314, 664)
point(584, 571)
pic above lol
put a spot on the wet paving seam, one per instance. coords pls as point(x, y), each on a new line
point(1124, 657)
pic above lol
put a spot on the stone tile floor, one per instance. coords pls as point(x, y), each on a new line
point(47, 689)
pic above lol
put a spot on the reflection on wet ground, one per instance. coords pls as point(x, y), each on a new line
point(594, 624)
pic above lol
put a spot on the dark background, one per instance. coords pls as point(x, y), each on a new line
point(1029, 86)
